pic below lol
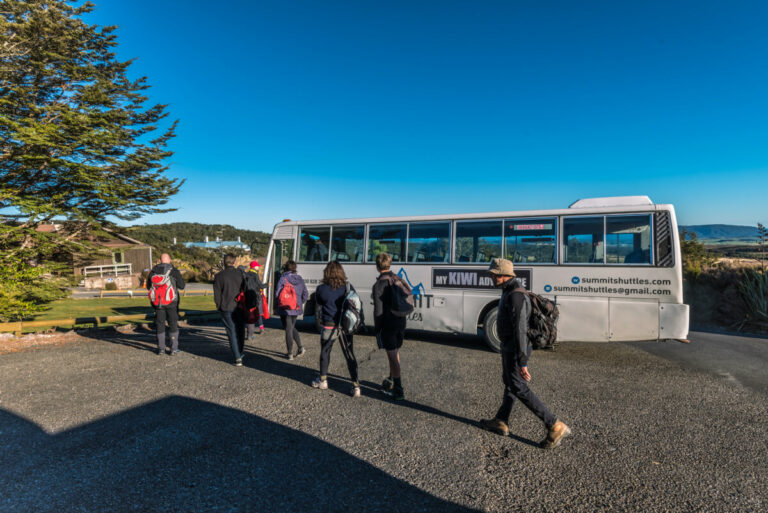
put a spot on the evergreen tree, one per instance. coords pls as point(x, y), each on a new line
point(78, 144)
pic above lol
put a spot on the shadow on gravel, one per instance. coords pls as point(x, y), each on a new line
point(181, 454)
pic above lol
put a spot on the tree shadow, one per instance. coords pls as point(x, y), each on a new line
point(182, 454)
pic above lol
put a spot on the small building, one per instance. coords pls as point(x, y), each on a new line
point(127, 259)
point(219, 244)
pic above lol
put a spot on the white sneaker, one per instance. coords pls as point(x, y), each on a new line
point(355, 391)
point(322, 384)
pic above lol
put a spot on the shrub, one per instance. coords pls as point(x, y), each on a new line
point(110, 286)
point(754, 293)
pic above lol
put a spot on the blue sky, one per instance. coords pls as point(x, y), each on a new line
point(321, 109)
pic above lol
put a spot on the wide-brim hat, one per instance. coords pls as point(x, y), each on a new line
point(502, 267)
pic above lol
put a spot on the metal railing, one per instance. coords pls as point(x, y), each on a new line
point(108, 270)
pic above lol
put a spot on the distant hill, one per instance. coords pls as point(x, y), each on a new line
point(723, 231)
point(162, 235)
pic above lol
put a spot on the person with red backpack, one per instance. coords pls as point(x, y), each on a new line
point(164, 282)
point(290, 295)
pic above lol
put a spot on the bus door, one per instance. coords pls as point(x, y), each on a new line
point(282, 251)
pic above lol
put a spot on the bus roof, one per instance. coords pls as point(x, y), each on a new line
point(586, 206)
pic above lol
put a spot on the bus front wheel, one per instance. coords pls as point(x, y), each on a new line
point(491, 331)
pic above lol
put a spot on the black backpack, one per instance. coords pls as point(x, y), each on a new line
point(402, 297)
point(542, 324)
point(252, 291)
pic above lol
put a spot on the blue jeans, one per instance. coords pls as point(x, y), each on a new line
point(235, 326)
point(515, 387)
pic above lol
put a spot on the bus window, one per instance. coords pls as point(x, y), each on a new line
point(347, 243)
point(386, 238)
point(583, 240)
point(313, 243)
point(477, 241)
point(628, 239)
point(429, 242)
point(530, 241)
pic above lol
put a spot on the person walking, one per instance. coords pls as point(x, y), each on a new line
point(164, 282)
point(227, 286)
point(290, 296)
point(389, 328)
point(330, 296)
point(514, 310)
point(253, 287)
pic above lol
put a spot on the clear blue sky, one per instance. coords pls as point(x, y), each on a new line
point(319, 109)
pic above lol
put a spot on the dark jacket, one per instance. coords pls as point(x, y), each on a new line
point(383, 319)
point(253, 276)
point(330, 301)
point(176, 279)
point(227, 285)
point(301, 293)
point(514, 312)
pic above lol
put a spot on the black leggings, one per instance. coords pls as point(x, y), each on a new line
point(327, 338)
point(291, 333)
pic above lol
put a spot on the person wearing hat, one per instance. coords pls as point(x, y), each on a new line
point(256, 314)
point(512, 324)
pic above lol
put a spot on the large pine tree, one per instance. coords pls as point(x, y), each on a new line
point(78, 142)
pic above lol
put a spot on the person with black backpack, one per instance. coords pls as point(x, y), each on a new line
point(339, 313)
point(164, 282)
point(227, 287)
point(514, 312)
point(392, 302)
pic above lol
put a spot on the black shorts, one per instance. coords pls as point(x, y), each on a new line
point(390, 339)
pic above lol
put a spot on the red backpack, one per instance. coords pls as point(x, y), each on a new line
point(286, 300)
point(161, 291)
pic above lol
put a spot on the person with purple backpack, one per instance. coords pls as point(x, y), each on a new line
point(290, 295)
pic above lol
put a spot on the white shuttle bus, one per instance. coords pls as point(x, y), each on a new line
point(612, 265)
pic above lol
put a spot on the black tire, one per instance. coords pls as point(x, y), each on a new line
point(490, 330)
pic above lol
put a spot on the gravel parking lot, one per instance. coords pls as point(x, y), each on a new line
point(106, 425)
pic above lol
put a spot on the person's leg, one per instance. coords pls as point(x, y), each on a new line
point(327, 338)
point(519, 388)
point(173, 328)
point(250, 330)
point(347, 345)
point(288, 328)
point(261, 323)
point(393, 356)
point(160, 329)
point(239, 317)
point(229, 325)
point(508, 367)
point(296, 337)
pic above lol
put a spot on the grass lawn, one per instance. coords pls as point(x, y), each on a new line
point(68, 308)
point(76, 308)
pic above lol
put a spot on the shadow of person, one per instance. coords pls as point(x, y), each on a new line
point(182, 454)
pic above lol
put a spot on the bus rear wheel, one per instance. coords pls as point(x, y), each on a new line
point(491, 331)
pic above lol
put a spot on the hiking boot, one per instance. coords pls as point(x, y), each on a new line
point(556, 433)
point(495, 425)
point(252, 338)
point(160, 352)
point(301, 352)
point(355, 391)
point(289, 356)
point(322, 384)
point(175, 352)
point(239, 362)
point(387, 384)
point(398, 394)
point(261, 330)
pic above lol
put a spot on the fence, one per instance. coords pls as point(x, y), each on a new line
point(143, 293)
point(18, 327)
point(109, 270)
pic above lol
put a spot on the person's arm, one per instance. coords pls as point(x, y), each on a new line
point(522, 312)
point(149, 279)
point(279, 286)
point(304, 292)
point(377, 292)
point(179, 279)
point(217, 291)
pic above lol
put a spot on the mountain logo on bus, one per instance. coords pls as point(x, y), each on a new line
point(417, 290)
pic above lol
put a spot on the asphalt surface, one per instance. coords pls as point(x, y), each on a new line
point(106, 425)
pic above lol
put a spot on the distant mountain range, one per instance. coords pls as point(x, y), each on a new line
point(723, 231)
